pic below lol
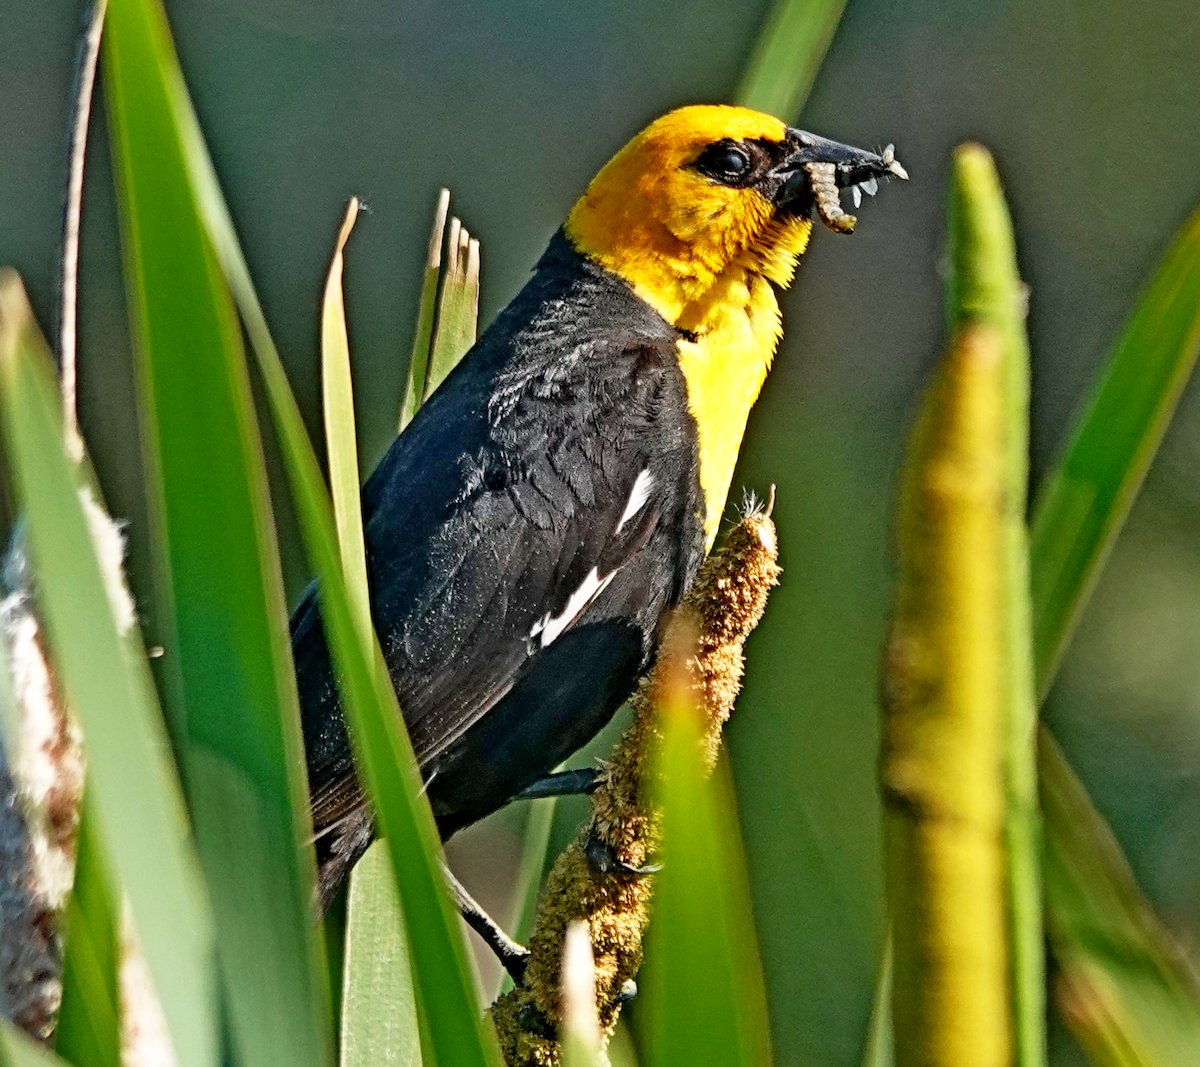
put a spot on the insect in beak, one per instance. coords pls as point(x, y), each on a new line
point(819, 169)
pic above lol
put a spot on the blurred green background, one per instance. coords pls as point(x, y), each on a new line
point(1090, 107)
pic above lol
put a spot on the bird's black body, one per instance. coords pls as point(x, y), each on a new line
point(516, 589)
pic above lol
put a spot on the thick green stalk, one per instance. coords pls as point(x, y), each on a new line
point(942, 766)
point(985, 288)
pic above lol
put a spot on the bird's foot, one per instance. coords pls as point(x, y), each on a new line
point(604, 859)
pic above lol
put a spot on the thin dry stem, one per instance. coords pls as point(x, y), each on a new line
point(69, 273)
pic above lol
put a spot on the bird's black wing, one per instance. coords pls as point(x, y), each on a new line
point(560, 498)
point(548, 487)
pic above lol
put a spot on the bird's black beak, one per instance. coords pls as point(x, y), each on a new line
point(815, 168)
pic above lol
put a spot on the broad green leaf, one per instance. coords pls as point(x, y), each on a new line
point(89, 1021)
point(450, 1011)
point(787, 55)
point(418, 360)
point(452, 1016)
point(1086, 497)
point(230, 682)
point(458, 309)
point(985, 288)
point(452, 1019)
point(703, 988)
point(379, 1011)
point(132, 786)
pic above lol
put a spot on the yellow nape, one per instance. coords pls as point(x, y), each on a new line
point(706, 256)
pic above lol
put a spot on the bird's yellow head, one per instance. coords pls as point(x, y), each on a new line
point(704, 213)
point(707, 190)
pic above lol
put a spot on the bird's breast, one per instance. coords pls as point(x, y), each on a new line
point(736, 330)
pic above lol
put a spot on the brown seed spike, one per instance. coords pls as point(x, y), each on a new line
point(707, 633)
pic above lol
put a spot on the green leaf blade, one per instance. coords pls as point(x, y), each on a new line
point(341, 440)
point(379, 1016)
point(19, 1050)
point(458, 307)
point(231, 684)
point(451, 1016)
point(379, 1009)
point(1130, 996)
point(1129, 999)
point(787, 55)
point(704, 988)
point(1086, 497)
point(418, 360)
point(89, 1026)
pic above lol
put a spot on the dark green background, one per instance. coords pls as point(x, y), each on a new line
point(1091, 107)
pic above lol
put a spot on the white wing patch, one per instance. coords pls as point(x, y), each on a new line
point(551, 628)
point(638, 496)
point(590, 588)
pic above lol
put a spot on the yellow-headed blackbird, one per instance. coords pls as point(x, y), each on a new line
point(554, 497)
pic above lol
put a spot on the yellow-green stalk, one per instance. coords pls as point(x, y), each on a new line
point(985, 288)
point(942, 765)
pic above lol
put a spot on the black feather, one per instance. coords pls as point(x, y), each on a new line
point(500, 499)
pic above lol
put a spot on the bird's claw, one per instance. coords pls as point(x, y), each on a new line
point(604, 859)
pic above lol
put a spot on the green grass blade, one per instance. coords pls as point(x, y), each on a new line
point(379, 1018)
point(452, 1018)
point(136, 796)
point(379, 1010)
point(418, 360)
point(787, 55)
point(985, 289)
point(704, 990)
point(389, 769)
point(89, 1022)
point(231, 683)
point(1084, 500)
point(580, 1040)
point(879, 1051)
point(458, 310)
point(341, 442)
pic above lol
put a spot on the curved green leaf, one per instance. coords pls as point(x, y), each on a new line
point(230, 685)
point(1086, 497)
point(379, 1009)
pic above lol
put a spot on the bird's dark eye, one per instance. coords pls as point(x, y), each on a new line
point(726, 162)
